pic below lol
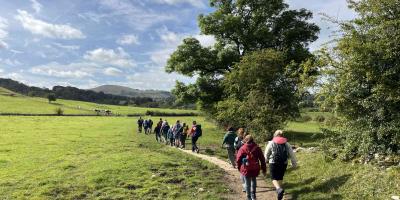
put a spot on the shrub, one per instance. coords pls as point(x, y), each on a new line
point(331, 121)
point(161, 113)
point(59, 111)
point(304, 118)
point(319, 118)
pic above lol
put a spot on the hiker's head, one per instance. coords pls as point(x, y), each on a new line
point(177, 121)
point(160, 119)
point(278, 133)
point(248, 139)
point(184, 124)
point(230, 129)
point(194, 123)
point(241, 132)
point(140, 117)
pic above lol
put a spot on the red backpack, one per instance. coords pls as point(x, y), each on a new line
point(252, 163)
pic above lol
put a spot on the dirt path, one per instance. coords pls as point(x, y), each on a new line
point(264, 191)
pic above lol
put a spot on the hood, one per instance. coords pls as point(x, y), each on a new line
point(279, 140)
point(250, 145)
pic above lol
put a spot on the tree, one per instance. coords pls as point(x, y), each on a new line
point(365, 80)
point(240, 28)
point(51, 97)
point(261, 96)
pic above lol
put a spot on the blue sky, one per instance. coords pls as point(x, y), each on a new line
point(124, 42)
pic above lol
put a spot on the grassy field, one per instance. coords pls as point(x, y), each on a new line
point(96, 158)
point(15, 103)
point(317, 178)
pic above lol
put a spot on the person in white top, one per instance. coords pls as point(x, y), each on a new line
point(277, 153)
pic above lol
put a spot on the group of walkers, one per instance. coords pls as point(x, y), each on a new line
point(243, 153)
point(146, 124)
point(173, 135)
point(250, 160)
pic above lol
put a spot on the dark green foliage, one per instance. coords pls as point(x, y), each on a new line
point(59, 111)
point(241, 28)
point(51, 97)
point(261, 96)
point(365, 80)
point(160, 113)
point(319, 118)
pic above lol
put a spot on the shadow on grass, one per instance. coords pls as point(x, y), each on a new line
point(303, 139)
point(325, 187)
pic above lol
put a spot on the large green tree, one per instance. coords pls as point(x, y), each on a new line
point(241, 27)
point(365, 81)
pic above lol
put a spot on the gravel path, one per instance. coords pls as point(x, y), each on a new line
point(264, 191)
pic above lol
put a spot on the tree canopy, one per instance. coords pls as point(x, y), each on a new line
point(240, 28)
point(365, 80)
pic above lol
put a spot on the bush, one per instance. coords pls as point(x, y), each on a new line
point(319, 118)
point(331, 121)
point(59, 111)
point(304, 118)
point(161, 113)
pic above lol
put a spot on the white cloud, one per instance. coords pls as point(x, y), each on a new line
point(111, 71)
point(39, 27)
point(195, 3)
point(118, 58)
point(128, 40)
point(135, 14)
point(206, 40)
point(10, 62)
point(36, 6)
point(67, 47)
point(3, 33)
point(73, 70)
point(159, 80)
point(171, 40)
point(1, 71)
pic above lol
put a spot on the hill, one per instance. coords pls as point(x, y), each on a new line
point(73, 93)
point(130, 92)
point(14, 103)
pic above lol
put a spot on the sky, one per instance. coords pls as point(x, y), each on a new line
point(120, 42)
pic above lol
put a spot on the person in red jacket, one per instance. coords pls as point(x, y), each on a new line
point(250, 160)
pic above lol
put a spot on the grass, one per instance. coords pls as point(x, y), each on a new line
point(14, 103)
point(318, 178)
point(96, 158)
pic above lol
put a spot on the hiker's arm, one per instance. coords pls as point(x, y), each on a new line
point(225, 137)
point(292, 156)
point(268, 151)
point(262, 161)
point(239, 159)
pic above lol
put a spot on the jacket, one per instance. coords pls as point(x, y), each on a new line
point(269, 151)
point(257, 153)
point(229, 139)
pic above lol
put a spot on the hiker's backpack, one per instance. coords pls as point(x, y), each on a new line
point(281, 153)
point(199, 132)
point(238, 143)
point(251, 163)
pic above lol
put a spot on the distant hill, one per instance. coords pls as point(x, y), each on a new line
point(129, 92)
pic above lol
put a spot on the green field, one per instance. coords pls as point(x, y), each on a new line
point(105, 158)
point(15, 103)
point(96, 158)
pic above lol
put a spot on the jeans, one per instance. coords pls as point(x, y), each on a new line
point(183, 140)
point(242, 179)
point(194, 145)
point(231, 155)
point(251, 185)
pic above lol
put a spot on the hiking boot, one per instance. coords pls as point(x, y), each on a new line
point(280, 193)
